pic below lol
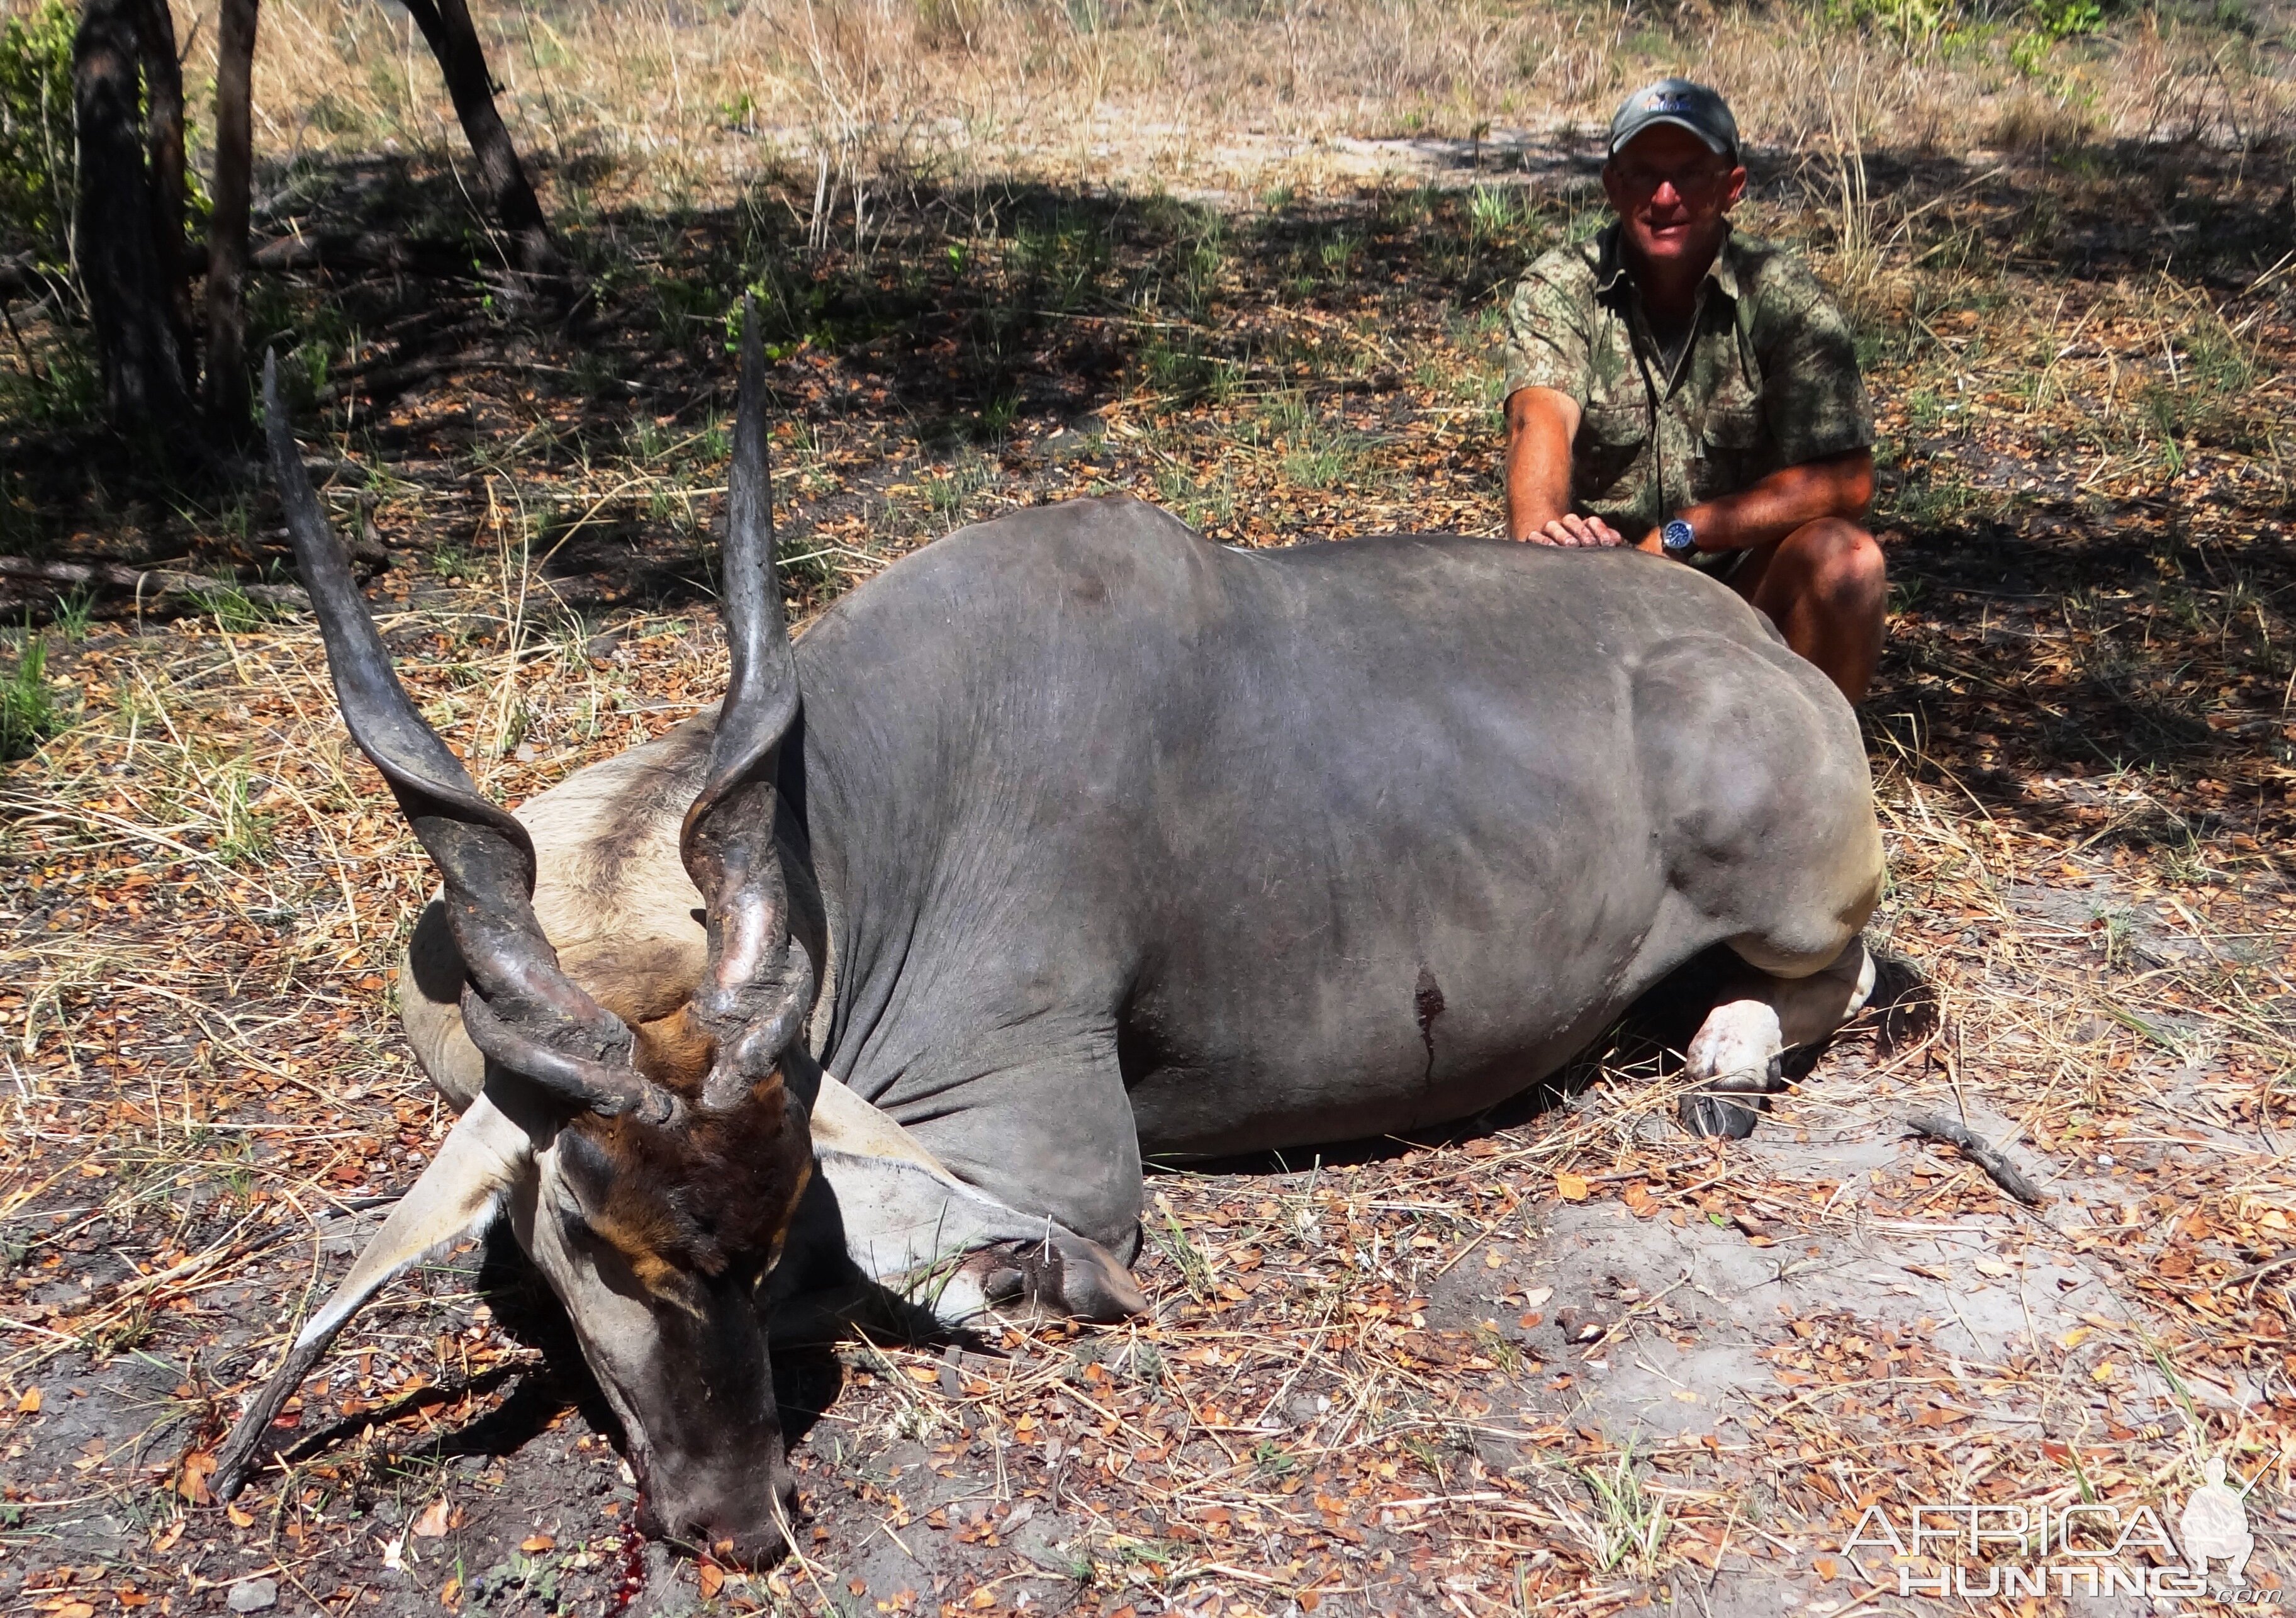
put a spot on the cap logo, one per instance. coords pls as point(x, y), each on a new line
point(1667, 101)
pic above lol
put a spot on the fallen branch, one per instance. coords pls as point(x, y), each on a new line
point(2257, 1272)
point(154, 589)
point(1999, 1168)
point(348, 250)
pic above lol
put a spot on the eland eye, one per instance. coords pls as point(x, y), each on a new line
point(584, 1181)
point(569, 1207)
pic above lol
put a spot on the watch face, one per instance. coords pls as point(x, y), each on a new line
point(1676, 537)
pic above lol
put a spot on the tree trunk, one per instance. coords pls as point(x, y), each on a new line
point(163, 144)
point(130, 266)
point(447, 28)
point(227, 312)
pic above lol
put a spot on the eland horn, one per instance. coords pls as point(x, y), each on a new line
point(754, 995)
point(520, 1008)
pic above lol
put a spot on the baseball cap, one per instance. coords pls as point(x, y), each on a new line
point(1685, 105)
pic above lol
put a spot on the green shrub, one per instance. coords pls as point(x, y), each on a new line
point(1924, 21)
point(2063, 19)
point(36, 153)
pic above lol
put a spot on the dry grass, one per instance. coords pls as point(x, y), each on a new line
point(216, 1087)
point(869, 93)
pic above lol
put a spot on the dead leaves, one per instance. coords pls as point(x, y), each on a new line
point(192, 1475)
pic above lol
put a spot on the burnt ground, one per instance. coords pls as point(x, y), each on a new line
point(1570, 1361)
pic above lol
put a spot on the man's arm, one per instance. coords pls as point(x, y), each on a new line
point(1540, 424)
point(1834, 486)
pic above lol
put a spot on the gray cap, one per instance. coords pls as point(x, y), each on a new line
point(1682, 103)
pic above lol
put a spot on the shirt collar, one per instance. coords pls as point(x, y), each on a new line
point(1610, 263)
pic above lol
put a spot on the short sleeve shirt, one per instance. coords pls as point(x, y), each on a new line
point(1768, 378)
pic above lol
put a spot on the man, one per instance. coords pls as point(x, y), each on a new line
point(1680, 387)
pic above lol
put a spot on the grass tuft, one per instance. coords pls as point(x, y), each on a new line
point(28, 712)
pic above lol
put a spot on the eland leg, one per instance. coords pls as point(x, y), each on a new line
point(885, 1222)
point(1735, 1059)
point(887, 1216)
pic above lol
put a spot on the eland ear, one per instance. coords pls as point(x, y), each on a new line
point(483, 1156)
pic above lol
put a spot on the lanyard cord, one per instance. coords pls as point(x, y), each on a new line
point(1638, 327)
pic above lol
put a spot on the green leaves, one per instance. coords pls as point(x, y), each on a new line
point(37, 165)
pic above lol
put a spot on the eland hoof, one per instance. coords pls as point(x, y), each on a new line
point(1721, 1117)
point(1065, 1274)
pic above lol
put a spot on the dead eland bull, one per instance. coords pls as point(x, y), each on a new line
point(1069, 838)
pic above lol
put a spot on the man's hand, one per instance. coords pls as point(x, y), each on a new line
point(1539, 423)
point(1570, 529)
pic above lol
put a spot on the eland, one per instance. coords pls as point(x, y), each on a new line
point(1070, 838)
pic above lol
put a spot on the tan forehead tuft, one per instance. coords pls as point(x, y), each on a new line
point(674, 1052)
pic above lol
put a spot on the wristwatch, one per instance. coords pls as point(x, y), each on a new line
point(1677, 541)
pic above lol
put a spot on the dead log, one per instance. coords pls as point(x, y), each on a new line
point(341, 250)
point(155, 592)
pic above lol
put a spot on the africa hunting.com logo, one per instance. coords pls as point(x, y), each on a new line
point(2087, 1549)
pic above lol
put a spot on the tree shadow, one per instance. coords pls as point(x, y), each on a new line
point(993, 325)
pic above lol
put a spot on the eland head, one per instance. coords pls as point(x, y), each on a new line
point(650, 1156)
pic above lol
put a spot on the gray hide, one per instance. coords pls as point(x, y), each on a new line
point(1107, 841)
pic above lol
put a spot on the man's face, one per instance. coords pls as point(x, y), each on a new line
point(1670, 191)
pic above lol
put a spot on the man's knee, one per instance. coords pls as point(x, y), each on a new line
point(1840, 565)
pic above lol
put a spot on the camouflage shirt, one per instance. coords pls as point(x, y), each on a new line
point(1768, 378)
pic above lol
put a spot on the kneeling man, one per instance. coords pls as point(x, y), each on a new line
point(1678, 386)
